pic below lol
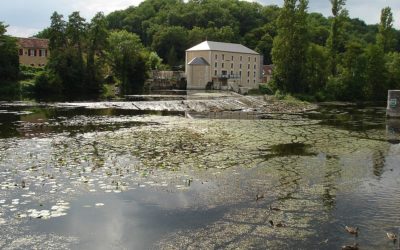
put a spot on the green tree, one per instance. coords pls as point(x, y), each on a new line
point(76, 30)
point(57, 33)
point(393, 69)
point(96, 46)
point(66, 65)
point(318, 27)
point(170, 44)
point(385, 39)
point(44, 34)
point(76, 34)
point(317, 68)
point(127, 61)
point(375, 74)
point(349, 84)
point(154, 61)
point(335, 41)
point(9, 62)
point(290, 47)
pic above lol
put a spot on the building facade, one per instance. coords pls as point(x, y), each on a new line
point(216, 65)
point(33, 51)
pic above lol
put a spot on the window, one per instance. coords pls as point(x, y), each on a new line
point(254, 74)
point(21, 52)
point(222, 65)
point(248, 66)
point(231, 65)
point(240, 73)
point(223, 57)
point(254, 81)
point(216, 56)
point(31, 52)
point(249, 58)
point(231, 73)
point(240, 66)
point(240, 58)
point(42, 52)
point(232, 58)
point(216, 64)
point(255, 66)
point(255, 59)
point(248, 81)
point(248, 73)
point(215, 73)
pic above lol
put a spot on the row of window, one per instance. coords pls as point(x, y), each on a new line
point(240, 65)
point(33, 52)
point(232, 58)
point(240, 73)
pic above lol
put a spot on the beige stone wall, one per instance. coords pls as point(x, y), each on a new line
point(197, 80)
point(199, 76)
point(248, 65)
point(36, 61)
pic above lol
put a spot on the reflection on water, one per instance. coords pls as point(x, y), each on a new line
point(111, 178)
point(393, 130)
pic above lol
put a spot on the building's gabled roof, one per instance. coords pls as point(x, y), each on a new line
point(198, 61)
point(226, 47)
point(34, 43)
point(268, 69)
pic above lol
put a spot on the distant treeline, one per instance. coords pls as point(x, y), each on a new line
point(336, 58)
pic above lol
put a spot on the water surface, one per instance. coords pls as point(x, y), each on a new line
point(111, 178)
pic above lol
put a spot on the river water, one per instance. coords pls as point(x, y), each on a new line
point(87, 178)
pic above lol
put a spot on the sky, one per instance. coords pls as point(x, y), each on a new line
point(27, 17)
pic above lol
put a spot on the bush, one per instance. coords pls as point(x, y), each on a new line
point(279, 95)
point(265, 89)
point(46, 83)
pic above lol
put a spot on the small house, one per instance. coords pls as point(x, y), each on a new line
point(33, 51)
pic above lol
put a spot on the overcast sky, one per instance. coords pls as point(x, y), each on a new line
point(26, 17)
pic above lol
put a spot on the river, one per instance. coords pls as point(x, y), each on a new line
point(112, 178)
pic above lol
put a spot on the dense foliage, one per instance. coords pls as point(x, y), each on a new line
point(335, 58)
point(85, 56)
point(9, 64)
point(329, 58)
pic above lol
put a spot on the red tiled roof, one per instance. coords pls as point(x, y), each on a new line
point(33, 43)
point(268, 69)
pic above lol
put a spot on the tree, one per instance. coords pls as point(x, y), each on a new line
point(66, 65)
point(76, 30)
point(76, 34)
point(170, 43)
point(57, 33)
point(125, 53)
point(290, 47)
point(350, 80)
point(9, 62)
point(393, 70)
point(335, 41)
point(317, 68)
point(154, 61)
point(385, 39)
point(96, 45)
point(375, 74)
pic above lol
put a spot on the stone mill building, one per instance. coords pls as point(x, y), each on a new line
point(225, 66)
